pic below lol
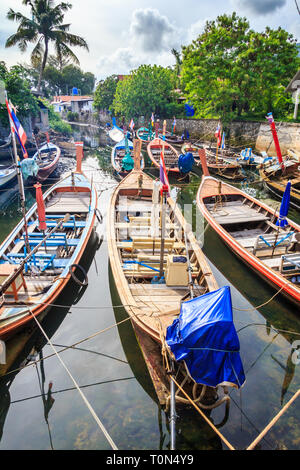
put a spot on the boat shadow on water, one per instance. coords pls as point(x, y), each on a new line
point(26, 347)
point(192, 432)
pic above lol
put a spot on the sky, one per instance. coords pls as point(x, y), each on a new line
point(122, 35)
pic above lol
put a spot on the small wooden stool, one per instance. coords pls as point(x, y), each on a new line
point(6, 270)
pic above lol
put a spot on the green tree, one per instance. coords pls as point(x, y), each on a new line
point(231, 71)
point(45, 26)
point(105, 92)
point(148, 89)
point(18, 91)
point(73, 76)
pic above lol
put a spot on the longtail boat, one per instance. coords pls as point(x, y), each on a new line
point(219, 166)
point(275, 179)
point(138, 253)
point(171, 156)
point(116, 134)
point(119, 151)
point(7, 175)
point(249, 228)
point(145, 135)
point(47, 158)
point(172, 138)
point(189, 147)
point(39, 257)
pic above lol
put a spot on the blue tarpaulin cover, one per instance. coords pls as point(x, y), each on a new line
point(186, 162)
point(205, 338)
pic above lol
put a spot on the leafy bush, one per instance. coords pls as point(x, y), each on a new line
point(72, 116)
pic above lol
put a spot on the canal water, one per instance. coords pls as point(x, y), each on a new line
point(41, 409)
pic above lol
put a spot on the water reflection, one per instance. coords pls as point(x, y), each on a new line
point(112, 370)
point(26, 348)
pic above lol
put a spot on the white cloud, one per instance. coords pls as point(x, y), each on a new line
point(152, 31)
point(195, 30)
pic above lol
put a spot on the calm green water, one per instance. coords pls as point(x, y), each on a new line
point(110, 369)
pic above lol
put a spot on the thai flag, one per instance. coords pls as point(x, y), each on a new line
point(17, 128)
point(218, 134)
point(223, 141)
point(131, 124)
point(163, 172)
point(174, 124)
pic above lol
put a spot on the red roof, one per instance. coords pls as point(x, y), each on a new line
point(68, 98)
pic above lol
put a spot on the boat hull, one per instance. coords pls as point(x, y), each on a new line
point(25, 315)
point(290, 291)
point(6, 181)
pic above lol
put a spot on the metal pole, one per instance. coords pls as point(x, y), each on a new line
point(20, 180)
point(163, 226)
point(172, 410)
point(296, 103)
point(189, 265)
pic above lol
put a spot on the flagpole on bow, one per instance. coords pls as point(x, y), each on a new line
point(164, 192)
point(218, 133)
point(19, 174)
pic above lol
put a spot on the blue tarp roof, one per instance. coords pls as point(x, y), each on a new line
point(204, 337)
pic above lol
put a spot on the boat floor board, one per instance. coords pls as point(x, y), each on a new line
point(272, 262)
point(65, 202)
point(235, 213)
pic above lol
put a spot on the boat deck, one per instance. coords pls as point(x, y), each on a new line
point(136, 227)
point(234, 212)
point(69, 202)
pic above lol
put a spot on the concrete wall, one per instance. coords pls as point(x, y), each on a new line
point(288, 135)
point(244, 133)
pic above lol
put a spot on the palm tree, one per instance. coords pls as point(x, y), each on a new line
point(45, 26)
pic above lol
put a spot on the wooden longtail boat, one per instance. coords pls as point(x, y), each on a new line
point(7, 175)
point(275, 180)
point(171, 156)
point(6, 148)
point(47, 159)
point(226, 167)
point(172, 138)
point(134, 247)
point(145, 135)
point(118, 153)
point(116, 134)
point(52, 260)
point(248, 227)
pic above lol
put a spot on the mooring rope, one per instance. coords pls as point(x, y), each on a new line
point(87, 403)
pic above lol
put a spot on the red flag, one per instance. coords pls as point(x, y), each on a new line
point(40, 207)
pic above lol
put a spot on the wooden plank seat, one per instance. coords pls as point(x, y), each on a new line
point(79, 224)
point(20, 244)
point(140, 243)
point(72, 222)
point(273, 263)
point(126, 225)
point(39, 260)
point(272, 240)
point(290, 263)
point(55, 240)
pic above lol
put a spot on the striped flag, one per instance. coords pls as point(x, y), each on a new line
point(163, 172)
point(218, 134)
point(17, 127)
point(174, 124)
point(223, 141)
point(131, 124)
